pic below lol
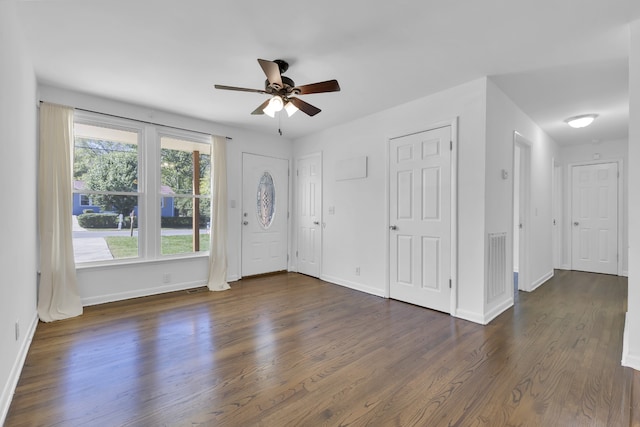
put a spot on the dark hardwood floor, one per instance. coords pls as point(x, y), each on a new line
point(289, 350)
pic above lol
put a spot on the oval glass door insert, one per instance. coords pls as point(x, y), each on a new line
point(266, 207)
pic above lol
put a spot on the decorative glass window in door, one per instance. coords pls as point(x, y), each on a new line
point(266, 206)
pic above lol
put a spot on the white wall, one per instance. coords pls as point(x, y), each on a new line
point(18, 224)
point(109, 283)
point(357, 234)
point(585, 153)
point(631, 350)
point(503, 118)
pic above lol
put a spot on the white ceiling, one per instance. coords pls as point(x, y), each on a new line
point(554, 58)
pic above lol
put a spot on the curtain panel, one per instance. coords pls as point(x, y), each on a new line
point(58, 296)
point(218, 246)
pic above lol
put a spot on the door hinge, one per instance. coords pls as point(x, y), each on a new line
point(449, 283)
point(296, 254)
point(297, 172)
point(451, 145)
point(287, 215)
point(287, 257)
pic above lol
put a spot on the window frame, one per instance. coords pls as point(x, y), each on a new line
point(150, 199)
point(192, 137)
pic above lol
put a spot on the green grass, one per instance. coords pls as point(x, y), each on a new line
point(127, 247)
point(123, 247)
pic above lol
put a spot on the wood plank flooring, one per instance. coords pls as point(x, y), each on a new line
point(290, 350)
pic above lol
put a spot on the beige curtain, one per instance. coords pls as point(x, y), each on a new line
point(218, 243)
point(58, 296)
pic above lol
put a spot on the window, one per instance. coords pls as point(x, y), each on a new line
point(85, 200)
point(105, 167)
point(266, 200)
point(185, 170)
point(148, 189)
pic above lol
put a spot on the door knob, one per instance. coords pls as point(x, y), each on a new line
point(316, 222)
point(245, 222)
point(393, 227)
point(576, 223)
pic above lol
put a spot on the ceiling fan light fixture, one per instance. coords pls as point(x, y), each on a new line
point(276, 103)
point(290, 108)
point(581, 121)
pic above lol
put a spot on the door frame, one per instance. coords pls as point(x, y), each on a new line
point(620, 207)
point(293, 266)
point(289, 197)
point(557, 214)
point(525, 211)
point(453, 274)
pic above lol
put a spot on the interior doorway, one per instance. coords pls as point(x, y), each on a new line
point(594, 217)
point(420, 218)
point(557, 209)
point(521, 215)
point(309, 214)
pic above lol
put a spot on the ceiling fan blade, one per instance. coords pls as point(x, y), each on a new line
point(241, 89)
point(328, 86)
point(305, 107)
point(260, 109)
point(272, 71)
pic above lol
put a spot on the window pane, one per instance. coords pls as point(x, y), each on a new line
point(106, 235)
point(177, 167)
point(178, 231)
point(101, 164)
point(185, 170)
point(104, 160)
point(266, 200)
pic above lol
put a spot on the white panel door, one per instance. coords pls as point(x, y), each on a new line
point(265, 201)
point(594, 209)
point(309, 209)
point(420, 218)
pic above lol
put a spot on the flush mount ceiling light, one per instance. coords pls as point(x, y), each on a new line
point(581, 121)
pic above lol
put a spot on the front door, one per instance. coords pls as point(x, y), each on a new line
point(309, 208)
point(594, 223)
point(265, 201)
point(420, 218)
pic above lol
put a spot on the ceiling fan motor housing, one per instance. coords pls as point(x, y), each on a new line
point(287, 88)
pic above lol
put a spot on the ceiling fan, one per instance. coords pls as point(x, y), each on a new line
point(283, 90)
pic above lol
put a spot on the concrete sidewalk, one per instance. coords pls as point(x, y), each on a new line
point(89, 249)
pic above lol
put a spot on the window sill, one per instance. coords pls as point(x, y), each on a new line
point(140, 261)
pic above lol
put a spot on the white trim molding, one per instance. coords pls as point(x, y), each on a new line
point(629, 360)
point(14, 375)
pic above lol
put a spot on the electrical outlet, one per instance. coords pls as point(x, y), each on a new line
point(357, 271)
point(166, 278)
point(17, 330)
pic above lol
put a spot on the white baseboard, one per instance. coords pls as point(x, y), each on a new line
point(498, 310)
point(470, 316)
point(136, 293)
point(535, 285)
point(233, 278)
point(353, 285)
point(629, 360)
point(14, 375)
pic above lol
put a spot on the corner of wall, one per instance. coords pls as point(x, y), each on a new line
point(628, 359)
point(7, 392)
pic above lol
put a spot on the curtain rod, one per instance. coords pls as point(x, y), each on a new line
point(143, 121)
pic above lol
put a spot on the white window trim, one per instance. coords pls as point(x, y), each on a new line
point(149, 216)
